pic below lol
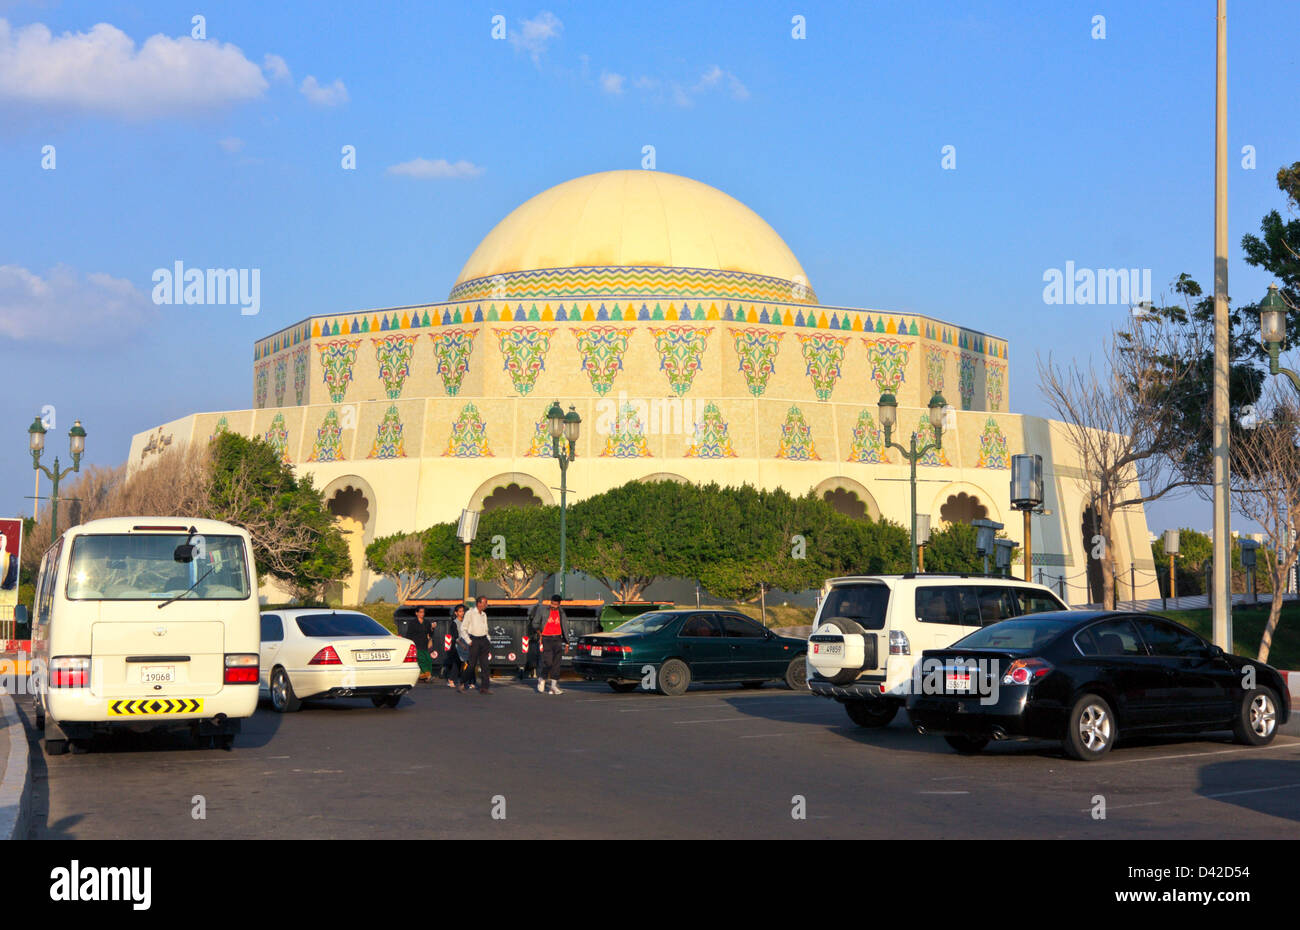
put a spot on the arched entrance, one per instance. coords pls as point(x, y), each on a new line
point(511, 489)
point(963, 508)
point(352, 501)
point(848, 497)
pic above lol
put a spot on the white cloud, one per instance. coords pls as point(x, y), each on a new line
point(103, 71)
point(231, 144)
point(536, 34)
point(715, 78)
point(328, 96)
point(425, 168)
point(611, 83)
point(65, 306)
point(276, 66)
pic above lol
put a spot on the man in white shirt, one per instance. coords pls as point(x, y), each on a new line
point(474, 630)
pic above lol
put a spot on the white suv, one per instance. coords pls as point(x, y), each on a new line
point(871, 629)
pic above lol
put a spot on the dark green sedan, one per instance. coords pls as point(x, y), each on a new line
point(668, 650)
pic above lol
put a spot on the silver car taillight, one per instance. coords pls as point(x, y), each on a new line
point(898, 644)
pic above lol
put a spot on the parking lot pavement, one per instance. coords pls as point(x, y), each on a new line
point(715, 763)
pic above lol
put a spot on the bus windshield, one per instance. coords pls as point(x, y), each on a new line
point(140, 567)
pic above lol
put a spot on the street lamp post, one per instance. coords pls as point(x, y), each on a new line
point(1272, 330)
point(887, 407)
point(564, 426)
point(76, 444)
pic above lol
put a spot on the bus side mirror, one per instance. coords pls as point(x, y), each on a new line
point(22, 623)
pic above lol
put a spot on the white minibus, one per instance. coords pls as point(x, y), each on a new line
point(145, 622)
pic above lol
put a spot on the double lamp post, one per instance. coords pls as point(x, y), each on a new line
point(76, 444)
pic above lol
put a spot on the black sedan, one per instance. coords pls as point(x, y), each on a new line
point(667, 650)
point(1085, 678)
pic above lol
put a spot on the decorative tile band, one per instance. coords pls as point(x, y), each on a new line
point(632, 281)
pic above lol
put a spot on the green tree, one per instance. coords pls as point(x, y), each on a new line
point(1277, 250)
point(401, 557)
point(952, 549)
point(294, 537)
point(517, 548)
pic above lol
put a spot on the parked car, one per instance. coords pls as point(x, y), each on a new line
point(686, 646)
point(1087, 678)
point(308, 652)
point(870, 631)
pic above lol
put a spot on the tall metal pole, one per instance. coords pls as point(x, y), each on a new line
point(912, 458)
point(1222, 542)
point(564, 472)
point(1029, 571)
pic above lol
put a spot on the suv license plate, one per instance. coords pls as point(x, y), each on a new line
point(157, 674)
point(828, 649)
point(375, 655)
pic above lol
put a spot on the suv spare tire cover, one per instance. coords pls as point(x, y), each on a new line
point(847, 665)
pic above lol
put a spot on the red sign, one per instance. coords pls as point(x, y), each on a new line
point(11, 547)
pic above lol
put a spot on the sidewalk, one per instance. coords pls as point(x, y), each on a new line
point(15, 776)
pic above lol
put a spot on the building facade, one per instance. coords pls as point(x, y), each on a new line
point(685, 333)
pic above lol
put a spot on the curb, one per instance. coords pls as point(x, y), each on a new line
point(15, 789)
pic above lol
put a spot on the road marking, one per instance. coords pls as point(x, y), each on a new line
point(943, 792)
point(1201, 755)
point(742, 717)
point(1195, 797)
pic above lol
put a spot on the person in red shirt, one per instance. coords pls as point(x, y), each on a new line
point(554, 633)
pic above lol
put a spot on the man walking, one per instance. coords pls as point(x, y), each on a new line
point(537, 617)
point(475, 630)
point(555, 633)
point(450, 660)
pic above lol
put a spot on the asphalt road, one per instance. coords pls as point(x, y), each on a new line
point(715, 763)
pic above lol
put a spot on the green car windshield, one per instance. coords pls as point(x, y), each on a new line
point(646, 623)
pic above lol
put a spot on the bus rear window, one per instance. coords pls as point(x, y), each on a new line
point(141, 567)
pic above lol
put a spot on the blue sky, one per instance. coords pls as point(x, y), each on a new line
point(227, 153)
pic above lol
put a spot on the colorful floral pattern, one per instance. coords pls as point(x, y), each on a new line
point(680, 350)
point(868, 443)
point(278, 437)
point(388, 443)
point(451, 350)
point(626, 439)
point(888, 361)
point(328, 445)
point(993, 447)
point(935, 361)
point(336, 360)
point(796, 439)
point(281, 370)
point(757, 349)
point(222, 426)
point(541, 445)
point(711, 437)
point(468, 436)
point(601, 349)
point(301, 363)
point(822, 355)
point(524, 349)
point(260, 383)
point(995, 378)
point(966, 380)
point(394, 356)
point(925, 434)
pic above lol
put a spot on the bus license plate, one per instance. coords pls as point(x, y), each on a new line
point(375, 655)
point(157, 674)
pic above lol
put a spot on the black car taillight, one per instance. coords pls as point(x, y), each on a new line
point(1026, 671)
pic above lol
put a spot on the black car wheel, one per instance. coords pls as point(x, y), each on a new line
point(674, 677)
point(966, 745)
point(282, 697)
point(1091, 729)
point(873, 714)
point(624, 687)
point(1256, 720)
point(796, 674)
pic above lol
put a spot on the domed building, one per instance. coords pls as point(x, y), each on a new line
point(684, 331)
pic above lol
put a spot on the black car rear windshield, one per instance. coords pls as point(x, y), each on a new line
point(864, 603)
point(339, 625)
point(1031, 633)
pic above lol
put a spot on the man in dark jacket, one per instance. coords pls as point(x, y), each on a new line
point(554, 633)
